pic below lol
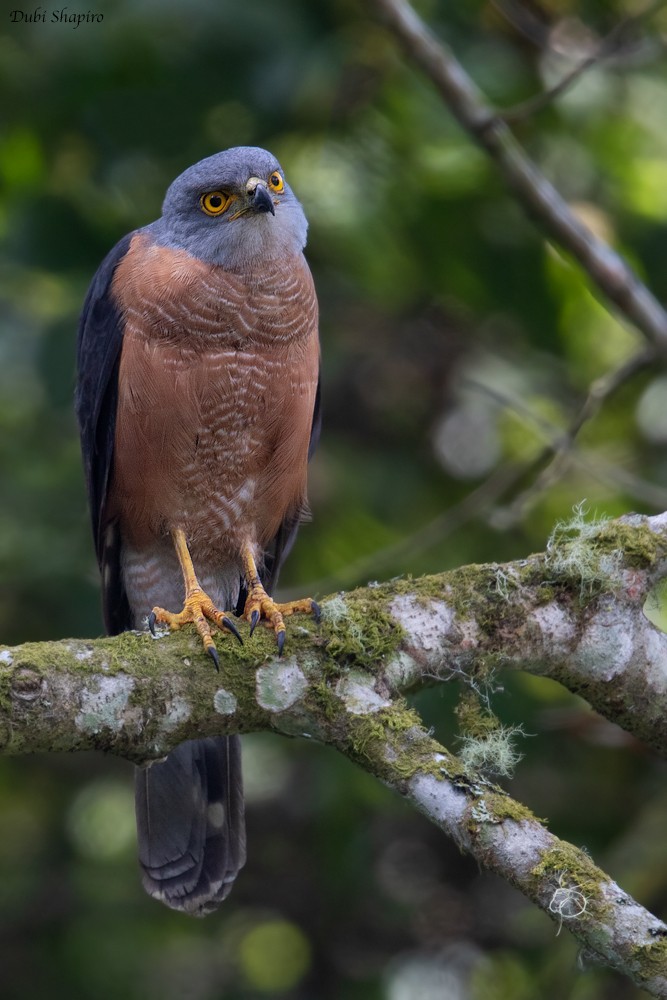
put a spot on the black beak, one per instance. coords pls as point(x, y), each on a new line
point(261, 200)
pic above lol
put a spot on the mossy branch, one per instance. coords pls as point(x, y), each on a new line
point(574, 613)
point(507, 839)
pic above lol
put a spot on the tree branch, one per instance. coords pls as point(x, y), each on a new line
point(559, 450)
point(609, 271)
point(573, 613)
point(508, 840)
point(606, 47)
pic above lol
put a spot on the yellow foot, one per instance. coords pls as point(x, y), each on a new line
point(198, 610)
point(260, 606)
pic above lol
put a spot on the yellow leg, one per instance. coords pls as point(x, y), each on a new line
point(198, 608)
point(259, 605)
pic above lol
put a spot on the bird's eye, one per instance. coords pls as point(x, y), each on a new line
point(215, 202)
point(276, 182)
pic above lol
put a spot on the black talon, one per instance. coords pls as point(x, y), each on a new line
point(229, 624)
point(280, 640)
point(213, 653)
point(254, 619)
point(151, 622)
point(317, 611)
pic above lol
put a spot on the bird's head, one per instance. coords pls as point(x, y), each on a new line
point(233, 208)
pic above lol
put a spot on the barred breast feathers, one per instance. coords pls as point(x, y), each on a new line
point(167, 294)
point(216, 394)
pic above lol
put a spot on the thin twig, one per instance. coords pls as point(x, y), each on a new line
point(609, 46)
point(524, 21)
point(607, 269)
point(540, 101)
point(613, 475)
point(475, 504)
point(561, 450)
point(560, 446)
point(483, 500)
point(541, 34)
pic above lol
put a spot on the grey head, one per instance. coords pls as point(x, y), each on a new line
point(234, 209)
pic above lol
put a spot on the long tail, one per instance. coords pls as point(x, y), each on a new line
point(190, 824)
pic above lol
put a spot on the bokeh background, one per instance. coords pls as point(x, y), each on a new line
point(457, 344)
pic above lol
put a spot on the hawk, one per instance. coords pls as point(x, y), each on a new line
point(198, 407)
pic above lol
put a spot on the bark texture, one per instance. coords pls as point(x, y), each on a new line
point(575, 613)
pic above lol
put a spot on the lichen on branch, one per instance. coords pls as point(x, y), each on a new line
point(574, 613)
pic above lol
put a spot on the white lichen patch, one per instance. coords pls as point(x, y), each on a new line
point(557, 628)
point(427, 625)
point(177, 711)
point(105, 707)
point(607, 644)
point(83, 654)
point(224, 702)
point(480, 813)
point(358, 695)
point(401, 670)
point(6, 658)
point(440, 801)
point(280, 684)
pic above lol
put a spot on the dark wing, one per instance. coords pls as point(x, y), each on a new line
point(98, 357)
point(279, 549)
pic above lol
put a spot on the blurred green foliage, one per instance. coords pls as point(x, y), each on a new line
point(456, 343)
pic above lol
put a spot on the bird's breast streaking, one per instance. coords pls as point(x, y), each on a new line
point(216, 395)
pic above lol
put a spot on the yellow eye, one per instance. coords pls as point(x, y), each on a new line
point(215, 202)
point(276, 182)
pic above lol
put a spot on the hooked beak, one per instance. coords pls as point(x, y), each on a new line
point(259, 198)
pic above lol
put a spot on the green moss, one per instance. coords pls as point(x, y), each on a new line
point(650, 961)
point(392, 742)
point(502, 806)
point(324, 699)
point(641, 547)
point(545, 593)
point(474, 719)
point(361, 628)
point(489, 805)
point(369, 735)
point(565, 864)
point(588, 553)
point(482, 594)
